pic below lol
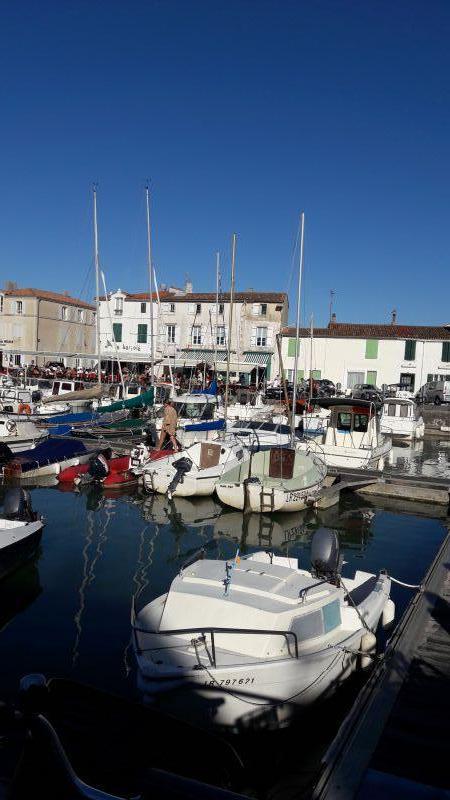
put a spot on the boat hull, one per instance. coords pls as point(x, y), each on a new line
point(263, 500)
point(15, 553)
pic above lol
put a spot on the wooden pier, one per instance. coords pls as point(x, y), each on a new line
point(419, 488)
point(395, 742)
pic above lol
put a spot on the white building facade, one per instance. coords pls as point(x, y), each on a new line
point(348, 354)
point(192, 329)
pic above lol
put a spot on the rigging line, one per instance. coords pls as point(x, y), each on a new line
point(83, 584)
point(293, 260)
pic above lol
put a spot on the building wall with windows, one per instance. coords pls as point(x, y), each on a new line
point(39, 326)
point(125, 326)
point(377, 354)
point(189, 328)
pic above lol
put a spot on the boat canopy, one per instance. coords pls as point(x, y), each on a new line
point(139, 401)
point(92, 393)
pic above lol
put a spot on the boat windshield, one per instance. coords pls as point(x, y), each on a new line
point(194, 410)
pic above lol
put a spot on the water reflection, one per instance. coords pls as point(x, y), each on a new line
point(19, 590)
point(428, 457)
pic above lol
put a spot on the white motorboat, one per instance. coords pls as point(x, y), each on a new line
point(247, 643)
point(195, 471)
point(21, 401)
point(20, 531)
point(352, 437)
point(279, 479)
point(259, 435)
point(20, 434)
point(401, 419)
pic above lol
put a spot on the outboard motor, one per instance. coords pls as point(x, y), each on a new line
point(17, 505)
point(326, 558)
point(181, 466)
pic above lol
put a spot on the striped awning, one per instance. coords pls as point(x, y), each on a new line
point(196, 356)
point(259, 359)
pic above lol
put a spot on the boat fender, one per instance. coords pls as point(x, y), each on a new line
point(24, 408)
point(11, 426)
point(367, 648)
point(388, 613)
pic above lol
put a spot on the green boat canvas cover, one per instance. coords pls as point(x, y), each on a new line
point(140, 401)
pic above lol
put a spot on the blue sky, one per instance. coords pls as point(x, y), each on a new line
point(240, 113)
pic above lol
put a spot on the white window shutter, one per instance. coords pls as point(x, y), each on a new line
point(256, 308)
point(191, 308)
point(177, 334)
point(165, 307)
point(253, 339)
point(269, 337)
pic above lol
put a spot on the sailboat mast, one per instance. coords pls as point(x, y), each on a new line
point(311, 359)
point(97, 287)
point(150, 280)
point(230, 323)
point(299, 295)
point(217, 310)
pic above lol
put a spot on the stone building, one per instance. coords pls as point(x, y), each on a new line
point(37, 326)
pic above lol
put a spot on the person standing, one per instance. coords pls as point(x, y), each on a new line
point(169, 426)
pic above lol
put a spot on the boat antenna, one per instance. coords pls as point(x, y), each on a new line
point(113, 335)
point(97, 285)
point(299, 294)
point(230, 322)
point(150, 280)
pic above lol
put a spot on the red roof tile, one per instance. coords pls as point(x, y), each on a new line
point(351, 330)
point(42, 294)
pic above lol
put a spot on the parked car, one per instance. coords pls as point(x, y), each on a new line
point(365, 391)
point(325, 388)
point(436, 392)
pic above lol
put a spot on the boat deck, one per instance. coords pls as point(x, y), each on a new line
point(395, 741)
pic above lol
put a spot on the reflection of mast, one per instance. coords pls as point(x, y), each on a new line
point(88, 572)
point(140, 578)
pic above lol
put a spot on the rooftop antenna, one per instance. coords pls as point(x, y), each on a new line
point(332, 294)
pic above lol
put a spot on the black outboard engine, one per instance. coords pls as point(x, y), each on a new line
point(6, 454)
point(182, 465)
point(17, 505)
point(326, 558)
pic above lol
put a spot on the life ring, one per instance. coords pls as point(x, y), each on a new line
point(10, 425)
point(24, 408)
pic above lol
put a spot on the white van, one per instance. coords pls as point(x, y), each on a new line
point(436, 392)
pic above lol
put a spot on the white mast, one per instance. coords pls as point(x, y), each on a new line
point(112, 331)
point(150, 280)
point(299, 295)
point(311, 359)
point(230, 323)
point(160, 316)
point(97, 286)
point(217, 311)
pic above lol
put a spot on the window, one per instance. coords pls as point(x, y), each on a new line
point(354, 378)
point(315, 374)
point(63, 312)
point(198, 308)
point(19, 307)
point(407, 381)
point(308, 626)
point(80, 315)
point(410, 350)
point(196, 334)
point(360, 423)
point(404, 411)
point(372, 348)
point(170, 334)
point(429, 377)
point(446, 351)
point(331, 616)
point(371, 377)
point(1, 303)
point(172, 308)
point(142, 334)
point(344, 421)
point(221, 308)
point(117, 331)
point(220, 334)
point(94, 317)
point(391, 409)
point(291, 347)
point(118, 308)
point(260, 309)
point(263, 309)
point(261, 337)
point(17, 360)
point(143, 308)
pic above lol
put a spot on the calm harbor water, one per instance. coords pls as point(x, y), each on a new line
point(67, 614)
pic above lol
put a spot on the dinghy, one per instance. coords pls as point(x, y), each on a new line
point(20, 531)
point(246, 643)
point(116, 464)
point(279, 479)
point(195, 471)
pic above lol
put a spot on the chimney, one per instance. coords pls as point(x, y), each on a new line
point(333, 318)
point(394, 316)
point(188, 287)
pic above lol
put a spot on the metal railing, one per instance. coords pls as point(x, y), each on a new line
point(211, 631)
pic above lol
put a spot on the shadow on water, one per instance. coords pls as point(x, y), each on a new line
point(99, 550)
